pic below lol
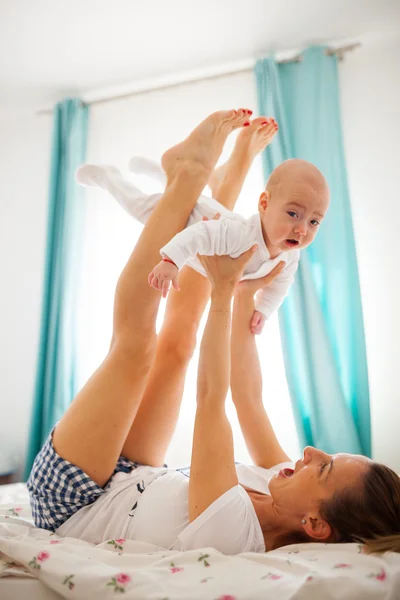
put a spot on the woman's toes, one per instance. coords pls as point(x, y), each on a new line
point(242, 116)
point(268, 128)
point(245, 111)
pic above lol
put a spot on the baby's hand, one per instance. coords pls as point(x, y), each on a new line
point(162, 275)
point(257, 323)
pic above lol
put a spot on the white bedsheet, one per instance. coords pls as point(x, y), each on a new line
point(77, 569)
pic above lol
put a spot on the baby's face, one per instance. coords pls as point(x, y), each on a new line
point(291, 218)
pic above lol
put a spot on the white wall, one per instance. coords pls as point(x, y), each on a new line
point(370, 85)
point(371, 116)
point(145, 124)
point(24, 166)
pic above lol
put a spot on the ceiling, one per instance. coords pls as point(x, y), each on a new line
point(51, 48)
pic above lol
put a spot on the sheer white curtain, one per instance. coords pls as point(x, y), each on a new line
point(148, 124)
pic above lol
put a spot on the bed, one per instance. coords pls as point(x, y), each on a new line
point(39, 565)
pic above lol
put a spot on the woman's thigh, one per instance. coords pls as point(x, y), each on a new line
point(92, 432)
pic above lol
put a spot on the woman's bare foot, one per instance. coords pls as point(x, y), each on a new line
point(202, 148)
point(250, 141)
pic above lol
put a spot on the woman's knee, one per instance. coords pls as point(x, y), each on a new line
point(138, 350)
point(179, 341)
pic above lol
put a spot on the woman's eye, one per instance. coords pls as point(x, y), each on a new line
point(291, 213)
point(322, 467)
point(315, 222)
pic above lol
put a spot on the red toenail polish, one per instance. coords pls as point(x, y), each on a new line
point(246, 124)
point(250, 112)
point(264, 123)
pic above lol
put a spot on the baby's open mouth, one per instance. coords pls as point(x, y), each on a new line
point(292, 243)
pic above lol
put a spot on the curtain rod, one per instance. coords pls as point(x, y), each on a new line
point(244, 68)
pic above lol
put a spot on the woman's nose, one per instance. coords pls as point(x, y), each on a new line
point(308, 454)
point(311, 453)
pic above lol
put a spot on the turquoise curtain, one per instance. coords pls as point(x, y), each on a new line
point(321, 320)
point(55, 379)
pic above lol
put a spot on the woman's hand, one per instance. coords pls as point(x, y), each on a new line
point(251, 286)
point(224, 272)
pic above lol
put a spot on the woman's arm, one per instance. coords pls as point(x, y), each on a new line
point(212, 469)
point(246, 382)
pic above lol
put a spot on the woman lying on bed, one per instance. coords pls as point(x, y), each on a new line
point(100, 475)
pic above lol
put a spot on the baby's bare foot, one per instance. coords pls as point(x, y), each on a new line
point(202, 148)
point(250, 142)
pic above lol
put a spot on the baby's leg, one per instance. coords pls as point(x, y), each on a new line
point(93, 431)
point(227, 180)
point(135, 202)
point(145, 166)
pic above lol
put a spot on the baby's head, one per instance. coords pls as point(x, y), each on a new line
point(293, 205)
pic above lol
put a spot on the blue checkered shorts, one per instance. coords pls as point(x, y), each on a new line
point(58, 489)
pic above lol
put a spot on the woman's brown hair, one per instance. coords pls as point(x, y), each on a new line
point(370, 514)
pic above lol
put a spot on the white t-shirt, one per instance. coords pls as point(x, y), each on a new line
point(151, 505)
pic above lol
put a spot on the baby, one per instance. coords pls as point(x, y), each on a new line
point(290, 211)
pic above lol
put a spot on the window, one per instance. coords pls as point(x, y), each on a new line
point(109, 238)
point(116, 132)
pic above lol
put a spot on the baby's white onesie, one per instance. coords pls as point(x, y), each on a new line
point(232, 234)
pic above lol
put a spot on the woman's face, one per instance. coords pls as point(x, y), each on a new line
point(316, 477)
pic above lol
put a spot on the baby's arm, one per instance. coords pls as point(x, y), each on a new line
point(163, 274)
point(224, 236)
point(269, 299)
point(257, 322)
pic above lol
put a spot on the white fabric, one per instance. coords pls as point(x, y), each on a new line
point(161, 514)
point(144, 166)
point(72, 568)
point(19, 588)
point(232, 234)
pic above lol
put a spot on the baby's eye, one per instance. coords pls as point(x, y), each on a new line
point(293, 214)
point(315, 222)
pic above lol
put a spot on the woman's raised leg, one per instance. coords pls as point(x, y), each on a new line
point(92, 432)
point(155, 422)
point(226, 181)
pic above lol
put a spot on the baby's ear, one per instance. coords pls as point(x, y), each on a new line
point(264, 200)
